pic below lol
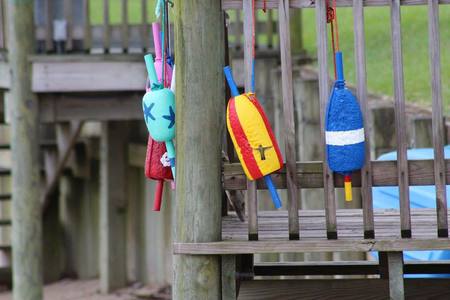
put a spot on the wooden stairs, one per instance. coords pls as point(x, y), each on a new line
point(57, 143)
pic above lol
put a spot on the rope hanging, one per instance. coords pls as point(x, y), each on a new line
point(332, 20)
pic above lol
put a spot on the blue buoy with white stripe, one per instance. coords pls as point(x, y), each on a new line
point(344, 127)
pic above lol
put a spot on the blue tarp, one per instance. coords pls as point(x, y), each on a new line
point(420, 197)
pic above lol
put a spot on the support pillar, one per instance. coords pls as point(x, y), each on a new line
point(199, 45)
point(26, 206)
point(113, 205)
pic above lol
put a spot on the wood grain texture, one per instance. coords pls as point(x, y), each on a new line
point(274, 225)
point(302, 246)
point(352, 289)
point(324, 90)
point(395, 269)
point(199, 45)
point(113, 205)
point(438, 119)
point(361, 91)
point(310, 175)
point(26, 213)
point(273, 4)
point(400, 117)
point(288, 114)
point(2, 25)
point(251, 195)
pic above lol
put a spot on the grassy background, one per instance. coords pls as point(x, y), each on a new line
point(378, 46)
point(379, 54)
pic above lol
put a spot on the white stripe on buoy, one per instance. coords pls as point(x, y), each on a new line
point(343, 138)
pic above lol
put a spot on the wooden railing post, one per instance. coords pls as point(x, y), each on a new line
point(199, 45)
point(26, 206)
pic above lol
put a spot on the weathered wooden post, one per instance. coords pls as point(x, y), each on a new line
point(200, 127)
point(26, 206)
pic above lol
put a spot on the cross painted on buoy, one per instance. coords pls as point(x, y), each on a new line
point(262, 151)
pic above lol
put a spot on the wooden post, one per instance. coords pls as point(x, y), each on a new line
point(199, 45)
point(26, 206)
point(113, 206)
point(395, 266)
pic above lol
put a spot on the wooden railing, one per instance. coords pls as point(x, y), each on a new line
point(318, 175)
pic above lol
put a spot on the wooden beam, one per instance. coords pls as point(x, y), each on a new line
point(273, 4)
point(302, 246)
point(67, 135)
point(26, 217)
point(309, 175)
point(113, 206)
point(92, 106)
point(199, 44)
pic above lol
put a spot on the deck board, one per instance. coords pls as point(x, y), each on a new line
point(274, 224)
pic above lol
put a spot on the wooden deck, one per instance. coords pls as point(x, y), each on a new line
point(273, 234)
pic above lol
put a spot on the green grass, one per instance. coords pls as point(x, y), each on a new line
point(379, 54)
point(378, 44)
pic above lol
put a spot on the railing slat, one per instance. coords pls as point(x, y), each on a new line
point(288, 113)
point(125, 29)
point(400, 119)
point(438, 119)
point(2, 25)
point(361, 91)
point(86, 26)
point(269, 28)
point(106, 27)
point(324, 90)
point(248, 51)
point(238, 34)
point(48, 26)
point(145, 37)
point(68, 16)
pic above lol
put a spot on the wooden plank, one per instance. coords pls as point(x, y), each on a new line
point(438, 119)
point(309, 175)
point(87, 37)
point(99, 107)
point(27, 230)
point(288, 113)
point(48, 25)
point(88, 76)
point(351, 289)
point(361, 91)
point(251, 194)
point(125, 29)
point(273, 4)
point(5, 75)
point(395, 267)
point(324, 90)
point(400, 118)
point(302, 246)
point(229, 291)
point(199, 42)
point(106, 27)
point(2, 26)
point(145, 36)
point(68, 16)
point(113, 206)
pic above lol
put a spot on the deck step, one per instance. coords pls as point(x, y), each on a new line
point(423, 288)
